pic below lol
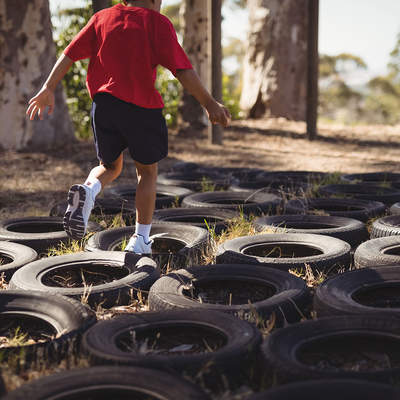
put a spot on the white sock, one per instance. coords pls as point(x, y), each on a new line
point(95, 185)
point(143, 230)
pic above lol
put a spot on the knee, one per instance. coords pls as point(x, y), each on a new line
point(147, 172)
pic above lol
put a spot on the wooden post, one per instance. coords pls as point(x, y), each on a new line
point(312, 70)
point(215, 132)
point(100, 4)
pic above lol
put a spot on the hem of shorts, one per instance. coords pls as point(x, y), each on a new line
point(108, 162)
point(151, 162)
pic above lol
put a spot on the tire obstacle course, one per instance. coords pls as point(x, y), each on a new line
point(242, 319)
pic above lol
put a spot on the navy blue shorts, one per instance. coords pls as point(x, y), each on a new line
point(118, 125)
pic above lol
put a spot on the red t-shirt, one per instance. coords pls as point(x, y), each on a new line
point(125, 45)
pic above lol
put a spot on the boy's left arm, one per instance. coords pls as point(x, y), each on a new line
point(45, 97)
point(217, 112)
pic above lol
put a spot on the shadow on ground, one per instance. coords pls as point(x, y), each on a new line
point(333, 139)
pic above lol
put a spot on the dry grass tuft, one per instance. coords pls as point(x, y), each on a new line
point(207, 185)
point(13, 380)
point(139, 303)
point(330, 179)
point(73, 246)
point(312, 278)
point(239, 226)
point(3, 282)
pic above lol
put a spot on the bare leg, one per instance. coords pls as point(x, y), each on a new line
point(145, 192)
point(107, 173)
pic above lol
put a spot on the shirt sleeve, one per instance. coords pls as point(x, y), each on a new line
point(170, 53)
point(82, 45)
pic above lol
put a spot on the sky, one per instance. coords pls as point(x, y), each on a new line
point(366, 28)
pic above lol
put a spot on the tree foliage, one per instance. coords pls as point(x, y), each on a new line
point(172, 12)
point(335, 93)
point(336, 66)
point(232, 83)
point(394, 64)
point(376, 103)
point(74, 82)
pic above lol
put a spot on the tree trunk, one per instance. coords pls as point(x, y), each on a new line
point(215, 132)
point(275, 66)
point(100, 4)
point(27, 55)
point(194, 20)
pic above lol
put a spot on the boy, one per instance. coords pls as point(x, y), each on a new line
point(125, 43)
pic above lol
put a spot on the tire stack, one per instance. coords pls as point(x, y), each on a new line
point(283, 307)
point(350, 348)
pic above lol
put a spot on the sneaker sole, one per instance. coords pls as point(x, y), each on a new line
point(140, 254)
point(73, 222)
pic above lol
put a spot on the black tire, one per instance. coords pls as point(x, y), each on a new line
point(216, 218)
point(166, 195)
point(363, 210)
point(179, 246)
point(271, 186)
point(3, 389)
point(104, 207)
point(240, 174)
point(39, 233)
point(279, 292)
point(363, 291)
point(386, 226)
point(332, 253)
point(293, 352)
point(332, 389)
point(185, 166)
point(374, 178)
point(378, 252)
point(249, 202)
point(296, 176)
point(194, 180)
point(350, 230)
point(385, 195)
point(13, 256)
point(395, 209)
point(132, 272)
point(235, 341)
point(108, 382)
point(64, 318)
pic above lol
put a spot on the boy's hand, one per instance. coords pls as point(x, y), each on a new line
point(218, 113)
point(38, 104)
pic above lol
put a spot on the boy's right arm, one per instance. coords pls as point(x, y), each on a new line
point(217, 113)
point(45, 97)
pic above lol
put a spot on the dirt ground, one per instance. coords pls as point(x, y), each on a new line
point(30, 183)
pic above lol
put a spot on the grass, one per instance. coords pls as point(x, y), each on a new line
point(15, 339)
point(386, 184)
point(175, 203)
point(238, 226)
point(312, 278)
point(369, 224)
point(329, 179)
point(3, 282)
point(72, 246)
point(138, 303)
point(108, 221)
point(207, 185)
point(14, 380)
